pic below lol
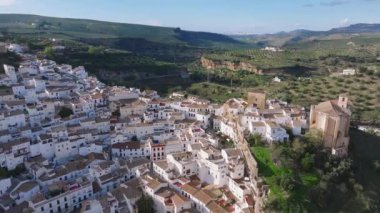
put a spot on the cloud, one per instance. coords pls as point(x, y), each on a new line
point(344, 22)
point(6, 2)
point(333, 3)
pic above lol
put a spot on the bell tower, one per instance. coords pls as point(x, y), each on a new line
point(343, 101)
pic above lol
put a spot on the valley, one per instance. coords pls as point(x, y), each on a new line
point(147, 87)
point(176, 60)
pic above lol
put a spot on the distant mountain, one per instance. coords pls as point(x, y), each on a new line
point(33, 25)
point(357, 28)
point(284, 38)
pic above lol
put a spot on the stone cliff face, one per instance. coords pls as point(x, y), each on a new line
point(231, 65)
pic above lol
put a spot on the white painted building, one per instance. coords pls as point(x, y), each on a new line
point(257, 127)
point(130, 150)
point(71, 197)
point(90, 148)
point(24, 191)
point(14, 153)
point(212, 167)
point(5, 184)
point(10, 71)
point(275, 133)
point(349, 71)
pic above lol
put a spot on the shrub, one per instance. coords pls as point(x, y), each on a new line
point(363, 69)
point(95, 50)
point(286, 181)
point(134, 138)
point(5, 173)
point(49, 52)
point(65, 112)
point(255, 139)
point(145, 204)
point(307, 161)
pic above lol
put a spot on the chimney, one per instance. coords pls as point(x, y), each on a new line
point(343, 101)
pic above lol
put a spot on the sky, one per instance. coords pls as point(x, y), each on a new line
point(221, 16)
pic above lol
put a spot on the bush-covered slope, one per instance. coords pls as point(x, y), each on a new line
point(81, 28)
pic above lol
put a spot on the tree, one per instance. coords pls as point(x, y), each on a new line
point(307, 161)
point(65, 112)
point(254, 139)
point(372, 116)
point(319, 195)
point(363, 69)
point(5, 173)
point(95, 50)
point(313, 139)
point(298, 147)
point(286, 181)
point(145, 204)
point(177, 30)
point(49, 52)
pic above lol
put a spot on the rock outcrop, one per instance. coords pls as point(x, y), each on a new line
point(231, 65)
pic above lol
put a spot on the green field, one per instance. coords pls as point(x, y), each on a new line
point(314, 54)
point(363, 90)
point(318, 64)
point(215, 92)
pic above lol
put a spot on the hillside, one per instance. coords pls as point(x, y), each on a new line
point(33, 25)
point(140, 55)
point(357, 28)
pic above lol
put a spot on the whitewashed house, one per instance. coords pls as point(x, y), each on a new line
point(349, 71)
